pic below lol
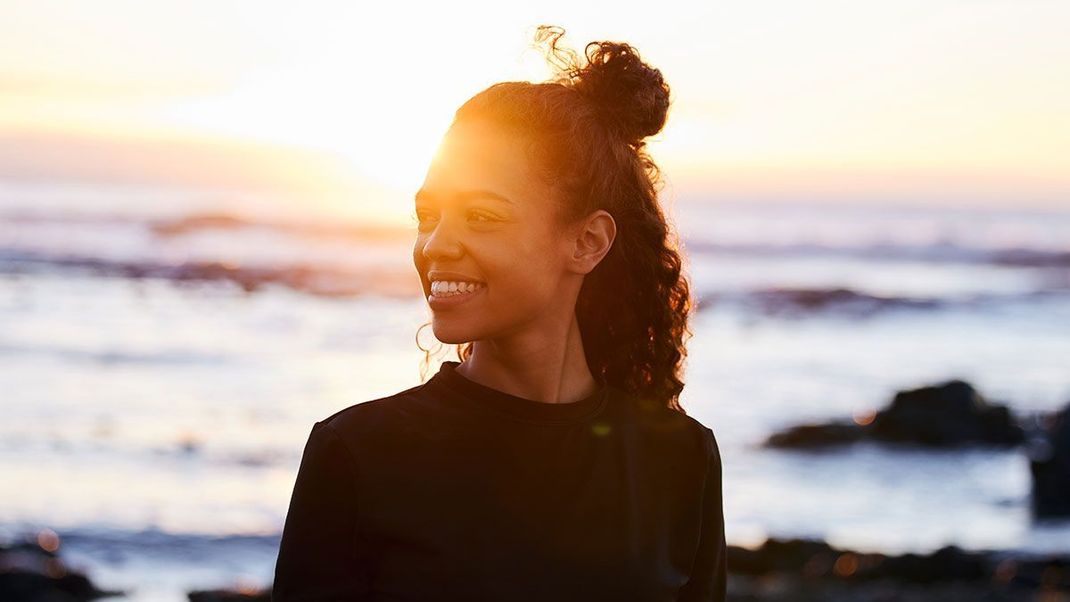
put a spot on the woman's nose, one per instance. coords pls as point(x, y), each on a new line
point(442, 242)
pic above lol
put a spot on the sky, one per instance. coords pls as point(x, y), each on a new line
point(959, 102)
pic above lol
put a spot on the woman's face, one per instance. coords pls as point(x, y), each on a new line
point(484, 217)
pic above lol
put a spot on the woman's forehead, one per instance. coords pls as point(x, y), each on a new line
point(475, 155)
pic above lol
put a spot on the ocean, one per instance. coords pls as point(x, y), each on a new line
point(166, 352)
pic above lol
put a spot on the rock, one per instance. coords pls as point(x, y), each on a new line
point(817, 559)
point(782, 300)
point(776, 555)
point(952, 414)
point(226, 595)
point(1049, 464)
point(800, 569)
point(949, 563)
point(946, 415)
point(29, 572)
point(816, 435)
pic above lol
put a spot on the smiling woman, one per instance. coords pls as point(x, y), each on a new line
point(553, 462)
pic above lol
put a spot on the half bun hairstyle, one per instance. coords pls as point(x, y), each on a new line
point(584, 130)
point(632, 96)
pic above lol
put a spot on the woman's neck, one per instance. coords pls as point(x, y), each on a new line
point(539, 364)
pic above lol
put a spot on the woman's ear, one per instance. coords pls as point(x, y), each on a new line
point(593, 239)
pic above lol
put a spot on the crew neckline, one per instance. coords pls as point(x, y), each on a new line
point(520, 408)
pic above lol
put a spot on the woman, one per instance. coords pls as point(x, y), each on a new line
point(553, 462)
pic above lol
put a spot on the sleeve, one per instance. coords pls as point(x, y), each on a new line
point(318, 559)
point(709, 574)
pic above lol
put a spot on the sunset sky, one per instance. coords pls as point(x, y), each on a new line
point(912, 101)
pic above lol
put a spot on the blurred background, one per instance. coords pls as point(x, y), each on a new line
point(206, 231)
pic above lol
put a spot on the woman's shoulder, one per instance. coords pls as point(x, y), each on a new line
point(658, 421)
point(375, 414)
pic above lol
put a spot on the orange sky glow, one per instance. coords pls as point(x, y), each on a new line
point(954, 101)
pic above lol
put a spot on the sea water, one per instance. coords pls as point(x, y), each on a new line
point(165, 354)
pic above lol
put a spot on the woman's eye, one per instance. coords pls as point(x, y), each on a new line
point(482, 217)
point(422, 219)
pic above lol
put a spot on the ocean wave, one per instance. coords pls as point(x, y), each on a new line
point(225, 221)
point(116, 356)
point(940, 251)
point(846, 301)
point(930, 253)
point(315, 280)
point(401, 284)
point(114, 542)
point(1016, 252)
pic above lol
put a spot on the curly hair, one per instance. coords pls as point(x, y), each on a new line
point(584, 130)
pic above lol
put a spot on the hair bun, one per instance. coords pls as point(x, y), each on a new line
point(631, 94)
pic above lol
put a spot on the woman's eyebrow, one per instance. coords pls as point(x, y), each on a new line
point(423, 195)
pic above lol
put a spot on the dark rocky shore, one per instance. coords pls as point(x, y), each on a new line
point(954, 415)
point(795, 570)
point(32, 569)
point(947, 415)
point(790, 570)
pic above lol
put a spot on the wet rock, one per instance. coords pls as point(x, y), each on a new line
point(1049, 464)
point(316, 280)
point(952, 414)
point(797, 570)
point(227, 595)
point(32, 571)
point(784, 300)
point(815, 558)
point(946, 415)
point(799, 302)
point(815, 435)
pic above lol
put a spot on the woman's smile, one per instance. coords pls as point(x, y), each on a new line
point(445, 294)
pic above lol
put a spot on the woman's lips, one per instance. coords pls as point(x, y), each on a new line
point(447, 301)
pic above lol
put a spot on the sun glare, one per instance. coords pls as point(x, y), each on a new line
point(385, 117)
point(387, 136)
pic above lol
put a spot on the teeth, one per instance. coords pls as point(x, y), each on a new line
point(445, 288)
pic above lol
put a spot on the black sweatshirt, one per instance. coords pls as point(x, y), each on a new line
point(452, 490)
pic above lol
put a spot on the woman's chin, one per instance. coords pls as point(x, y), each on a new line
point(451, 334)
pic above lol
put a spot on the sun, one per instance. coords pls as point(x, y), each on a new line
point(374, 100)
point(388, 136)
